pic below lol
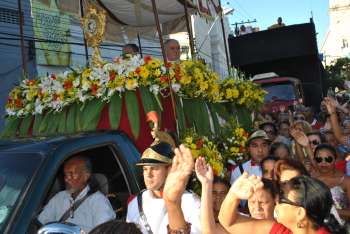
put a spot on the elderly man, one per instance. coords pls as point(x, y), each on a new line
point(172, 50)
point(148, 209)
point(78, 204)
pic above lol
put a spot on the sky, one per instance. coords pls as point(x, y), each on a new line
point(266, 13)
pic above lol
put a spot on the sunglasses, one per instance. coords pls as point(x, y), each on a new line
point(328, 159)
point(299, 118)
point(315, 142)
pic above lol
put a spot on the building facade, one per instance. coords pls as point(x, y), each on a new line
point(337, 40)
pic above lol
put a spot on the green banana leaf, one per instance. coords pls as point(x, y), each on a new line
point(244, 118)
point(150, 102)
point(62, 121)
point(133, 112)
point(91, 114)
point(71, 116)
point(25, 125)
point(214, 117)
point(36, 126)
point(45, 122)
point(11, 126)
point(180, 115)
point(115, 110)
point(79, 116)
point(54, 123)
point(197, 115)
point(147, 100)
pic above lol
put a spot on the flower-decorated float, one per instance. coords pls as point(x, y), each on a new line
point(126, 93)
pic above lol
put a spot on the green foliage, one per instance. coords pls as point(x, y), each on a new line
point(337, 73)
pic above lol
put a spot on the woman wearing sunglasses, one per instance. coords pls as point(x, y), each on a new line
point(303, 207)
point(337, 181)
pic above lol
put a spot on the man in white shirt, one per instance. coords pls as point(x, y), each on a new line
point(94, 207)
point(148, 209)
point(258, 146)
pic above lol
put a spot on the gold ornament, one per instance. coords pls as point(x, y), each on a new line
point(94, 27)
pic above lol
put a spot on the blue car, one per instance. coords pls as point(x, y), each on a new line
point(31, 173)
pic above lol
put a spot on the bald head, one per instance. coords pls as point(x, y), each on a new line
point(172, 50)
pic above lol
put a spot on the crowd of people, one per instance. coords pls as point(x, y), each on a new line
point(295, 181)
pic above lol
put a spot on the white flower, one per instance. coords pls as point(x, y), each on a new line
point(10, 112)
point(176, 87)
point(154, 89)
point(38, 107)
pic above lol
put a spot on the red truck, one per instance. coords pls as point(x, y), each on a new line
point(282, 92)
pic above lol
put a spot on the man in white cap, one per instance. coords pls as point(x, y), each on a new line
point(258, 146)
point(148, 209)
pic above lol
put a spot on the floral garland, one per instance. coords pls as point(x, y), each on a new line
point(190, 79)
point(201, 146)
point(242, 92)
point(232, 141)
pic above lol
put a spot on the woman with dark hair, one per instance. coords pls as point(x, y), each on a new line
point(267, 166)
point(339, 184)
point(262, 203)
point(280, 150)
point(303, 208)
point(220, 189)
point(287, 169)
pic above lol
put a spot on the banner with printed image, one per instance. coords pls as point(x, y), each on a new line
point(51, 30)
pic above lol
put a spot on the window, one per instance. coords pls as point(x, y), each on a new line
point(9, 16)
point(107, 174)
point(16, 171)
point(284, 91)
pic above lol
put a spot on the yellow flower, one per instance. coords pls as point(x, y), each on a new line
point(228, 93)
point(186, 80)
point(188, 140)
point(203, 86)
point(235, 93)
point(131, 84)
point(86, 73)
point(157, 72)
point(154, 63)
point(144, 72)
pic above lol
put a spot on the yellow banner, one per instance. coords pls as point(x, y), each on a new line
point(52, 30)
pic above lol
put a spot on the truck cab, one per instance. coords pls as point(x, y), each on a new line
point(31, 173)
point(282, 92)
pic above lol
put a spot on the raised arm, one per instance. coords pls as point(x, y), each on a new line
point(205, 175)
point(331, 108)
point(243, 188)
point(175, 184)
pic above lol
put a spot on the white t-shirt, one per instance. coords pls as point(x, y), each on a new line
point(247, 166)
point(157, 216)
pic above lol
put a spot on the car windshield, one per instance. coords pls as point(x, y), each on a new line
point(280, 92)
point(16, 171)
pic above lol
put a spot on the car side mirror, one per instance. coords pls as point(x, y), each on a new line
point(60, 228)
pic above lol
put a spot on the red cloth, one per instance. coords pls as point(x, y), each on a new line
point(341, 166)
point(145, 139)
point(278, 228)
point(323, 230)
point(130, 198)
